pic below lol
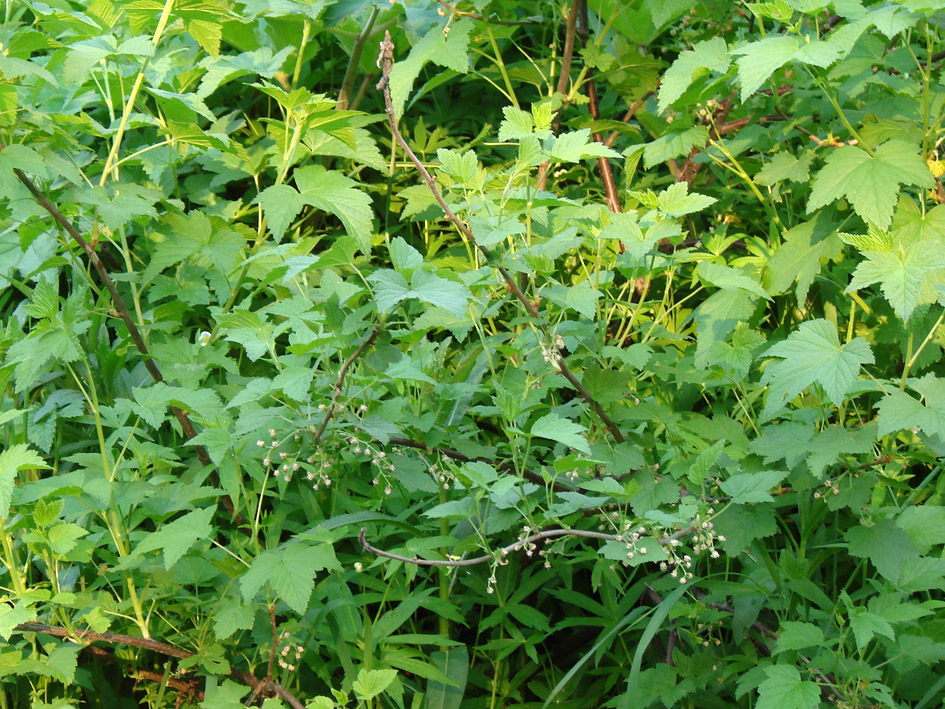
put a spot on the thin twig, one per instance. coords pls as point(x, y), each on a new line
point(264, 687)
point(627, 117)
point(355, 60)
point(508, 549)
point(336, 392)
point(564, 79)
point(386, 62)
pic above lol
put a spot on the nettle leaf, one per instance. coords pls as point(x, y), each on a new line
point(730, 278)
point(370, 683)
point(793, 635)
point(675, 143)
point(871, 183)
point(577, 145)
point(784, 689)
point(280, 204)
point(758, 60)
point(289, 572)
point(902, 273)
point(463, 167)
point(785, 166)
point(13, 459)
point(675, 200)
point(690, 65)
point(330, 191)
point(516, 125)
point(813, 354)
point(752, 487)
point(563, 431)
point(177, 537)
point(884, 544)
point(798, 258)
point(448, 51)
point(390, 288)
point(899, 411)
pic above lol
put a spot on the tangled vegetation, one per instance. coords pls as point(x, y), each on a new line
point(403, 353)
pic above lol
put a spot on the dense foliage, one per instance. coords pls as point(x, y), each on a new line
point(621, 341)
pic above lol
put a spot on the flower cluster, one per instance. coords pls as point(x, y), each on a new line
point(288, 652)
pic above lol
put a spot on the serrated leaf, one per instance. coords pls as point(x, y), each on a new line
point(370, 683)
point(675, 143)
point(561, 430)
point(813, 354)
point(290, 572)
point(177, 537)
point(752, 487)
point(794, 635)
point(798, 257)
point(758, 60)
point(785, 166)
point(675, 200)
point(444, 50)
point(901, 274)
point(784, 689)
point(390, 288)
point(463, 167)
point(871, 183)
point(704, 57)
point(730, 278)
point(899, 411)
point(280, 205)
point(12, 460)
point(884, 544)
point(516, 124)
point(865, 625)
point(577, 145)
point(332, 192)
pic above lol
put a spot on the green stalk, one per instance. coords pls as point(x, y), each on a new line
point(10, 560)
point(306, 31)
point(133, 96)
point(352, 70)
point(914, 356)
point(499, 63)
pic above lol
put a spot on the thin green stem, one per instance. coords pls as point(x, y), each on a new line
point(133, 96)
point(352, 70)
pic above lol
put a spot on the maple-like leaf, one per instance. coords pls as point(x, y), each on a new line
point(870, 182)
point(813, 354)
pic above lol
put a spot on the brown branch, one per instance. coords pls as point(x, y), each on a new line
point(627, 117)
point(336, 391)
point(564, 79)
point(386, 61)
point(264, 687)
point(190, 688)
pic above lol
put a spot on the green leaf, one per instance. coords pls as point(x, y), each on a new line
point(871, 184)
point(784, 689)
point(691, 64)
point(883, 543)
point(813, 354)
point(785, 166)
point(516, 125)
point(22, 158)
point(370, 683)
point(794, 635)
point(730, 278)
point(330, 191)
point(798, 258)
point(752, 487)
point(675, 200)
point(899, 411)
point(448, 51)
point(561, 430)
point(675, 143)
point(12, 616)
point(63, 661)
point(454, 664)
point(13, 459)
point(902, 274)
point(866, 625)
point(177, 537)
point(577, 145)
point(227, 695)
point(463, 167)
point(758, 60)
point(390, 288)
point(289, 572)
point(280, 204)
point(920, 573)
